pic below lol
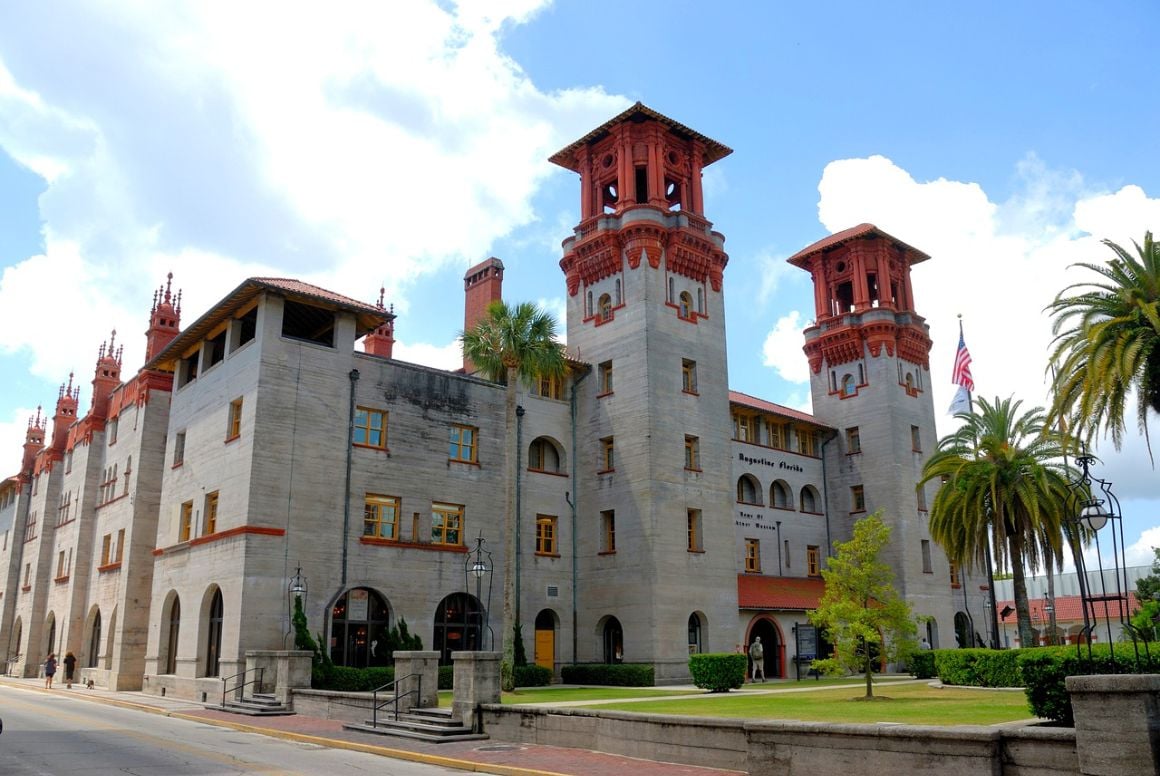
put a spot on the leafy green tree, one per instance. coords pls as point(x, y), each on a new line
point(1148, 587)
point(1145, 620)
point(1107, 344)
point(510, 343)
point(861, 612)
point(1002, 482)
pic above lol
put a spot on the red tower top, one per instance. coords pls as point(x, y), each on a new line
point(164, 320)
point(33, 443)
point(482, 285)
point(381, 340)
point(862, 293)
point(107, 376)
point(66, 414)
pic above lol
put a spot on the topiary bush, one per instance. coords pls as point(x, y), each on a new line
point(347, 679)
point(532, 676)
point(921, 664)
point(957, 666)
point(718, 672)
point(998, 668)
point(611, 674)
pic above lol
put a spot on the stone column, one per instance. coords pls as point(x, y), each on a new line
point(476, 682)
point(293, 670)
point(1117, 723)
point(417, 671)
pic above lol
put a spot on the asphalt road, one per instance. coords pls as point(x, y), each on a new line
point(51, 734)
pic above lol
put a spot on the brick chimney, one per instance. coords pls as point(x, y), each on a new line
point(381, 341)
point(482, 285)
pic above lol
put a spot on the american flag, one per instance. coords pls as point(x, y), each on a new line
point(962, 371)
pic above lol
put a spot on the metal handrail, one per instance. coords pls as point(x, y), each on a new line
point(375, 706)
point(238, 688)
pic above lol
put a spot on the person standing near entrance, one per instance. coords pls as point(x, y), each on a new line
point(49, 670)
point(70, 667)
point(757, 655)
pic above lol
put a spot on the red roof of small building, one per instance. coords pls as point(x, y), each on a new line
point(914, 255)
point(798, 594)
point(778, 409)
point(1069, 608)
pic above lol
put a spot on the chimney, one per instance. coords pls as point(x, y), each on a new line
point(482, 285)
point(381, 341)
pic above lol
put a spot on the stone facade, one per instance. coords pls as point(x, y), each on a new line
point(659, 513)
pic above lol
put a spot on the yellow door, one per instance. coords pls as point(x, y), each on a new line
point(546, 649)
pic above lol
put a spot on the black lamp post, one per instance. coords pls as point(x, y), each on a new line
point(1092, 506)
point(477, 566)
point(297, 588)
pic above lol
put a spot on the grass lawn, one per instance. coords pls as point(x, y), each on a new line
point(573, 694)
point(917, 704)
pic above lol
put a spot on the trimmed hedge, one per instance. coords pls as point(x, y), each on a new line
point(446, 677)
point(346, 679)
point(532, 676)
point(921, 664)
point(611, 674)
point(978, 667)
point(1045, 669)
point(718, 672)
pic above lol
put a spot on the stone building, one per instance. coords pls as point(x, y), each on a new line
point(276, 438)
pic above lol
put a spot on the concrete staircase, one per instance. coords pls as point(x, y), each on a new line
point(256, 705)
point(436, 726)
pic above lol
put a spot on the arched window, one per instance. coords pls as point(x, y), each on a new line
point(588, 308)
point(618, 297)
point(358, 629)
point(543, 456)
point(605, 305)
point(686, 306)
point(810, 499)
point(95, 640)
point(612, 638)
point(173, 631)
point(747, 490)
point(695, 645)
point(545, 647)
point(780, 496)
point(672, 291)
point(458, 626)
point(701, 300)
point(213, 636)
point(849, 387)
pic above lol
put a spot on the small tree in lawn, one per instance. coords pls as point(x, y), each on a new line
point(860, 608)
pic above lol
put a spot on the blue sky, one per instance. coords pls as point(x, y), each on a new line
point(396, 144)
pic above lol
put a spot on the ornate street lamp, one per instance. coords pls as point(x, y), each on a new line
point(477, 566)
point(1090, 513)
point(296, 588)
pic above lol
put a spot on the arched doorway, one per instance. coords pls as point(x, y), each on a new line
point(773, 646)
point(213, 636)
point(545, 649)
point(458, 621)
point(359, 621)
point(962, 630)
point(172, 631)
point(612, 641)
point(696, 633)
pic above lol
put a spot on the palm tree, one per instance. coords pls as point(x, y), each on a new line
point(509, 343)
point(1003, 482)
point(1107, 342)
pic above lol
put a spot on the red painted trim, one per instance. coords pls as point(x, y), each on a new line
point(26, 589)
point(257, 530)
point(115, 566)
point(377, 542)
point(158, 552)
point(60, 580)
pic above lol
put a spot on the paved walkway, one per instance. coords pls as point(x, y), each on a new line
point(480, 756)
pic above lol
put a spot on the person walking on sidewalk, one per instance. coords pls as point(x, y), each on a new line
point(757, 655)
point(70, 667)
point(49, 670)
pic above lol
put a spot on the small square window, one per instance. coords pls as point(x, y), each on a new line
point(370, 428)
point(463, 444)
point(447, 524)
point(381, 517)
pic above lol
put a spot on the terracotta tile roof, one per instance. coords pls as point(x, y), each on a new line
point(1068, 608)
point(300, 288)
point(800, 594)
point(744, 399)
point(846, 235)
point(566, 158)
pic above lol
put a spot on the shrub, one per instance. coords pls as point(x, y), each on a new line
point(616, 674)
point(718, 672)
point(347, 679)
point(957, 666)
point(921, 664)
point(532, 676)
point(446, 677)
point(1045, 669)
point(998, 668)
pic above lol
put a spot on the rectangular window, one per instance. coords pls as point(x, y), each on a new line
point(607, 458)
point(853, 440)
point(27, 574)
point(309, 323)
point(805, 442)
point(60, 565)
point(926, 566)
point(189, 367)
point(68, 462)
point(447, 524)
point(185, 529)
point(381, 517)
point(688, 375)
point(605, 378)
point(179, 448)
point(744, 427)
point(776, 435)
point(211, 508)
point(548, 386)
point(63, 513)
point(247, 326)
point(857, 499)
point(753, 556)
point(215, 349)
point(915, 439)
point(813, 561)
point(463, 443)
point(692, 453)
point(120, 544)
point(546, 535)
point(106, 548)
point(111, 430)
point(693, 518)
point(788, 556)
point(955, 581)
point(920, 497)
point(608, 530)
point(370, 428)
point(234, 425)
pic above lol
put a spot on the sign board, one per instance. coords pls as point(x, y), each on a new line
point(357, 604)
point(807, 642)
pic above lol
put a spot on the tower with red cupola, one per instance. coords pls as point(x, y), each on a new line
point(869, 356)
point(645, 309)
point(381, 340)
point(164, 319)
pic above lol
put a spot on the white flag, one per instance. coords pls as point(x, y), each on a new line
point(962, 401)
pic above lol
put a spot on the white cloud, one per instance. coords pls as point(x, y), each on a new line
point(782, 349)
point(1140, 553)
point(774, 269)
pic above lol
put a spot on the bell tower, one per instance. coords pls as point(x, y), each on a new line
point(644, 270)
point(869, 355)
